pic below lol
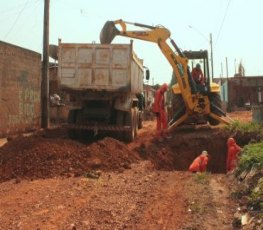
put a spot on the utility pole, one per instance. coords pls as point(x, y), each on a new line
point(226, 68)
point(221, 75)
point(45, 67)
point(235, 66)
point(212, 58)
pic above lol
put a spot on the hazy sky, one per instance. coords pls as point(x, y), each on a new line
point(235, 25)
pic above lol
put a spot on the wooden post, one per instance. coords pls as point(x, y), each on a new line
point(45, 69)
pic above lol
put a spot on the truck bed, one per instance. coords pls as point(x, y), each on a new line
point(99, 67)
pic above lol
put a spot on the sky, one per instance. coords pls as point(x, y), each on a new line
point(235, 27)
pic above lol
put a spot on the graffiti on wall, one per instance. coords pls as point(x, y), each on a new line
point(28, 107)
point(28, 103)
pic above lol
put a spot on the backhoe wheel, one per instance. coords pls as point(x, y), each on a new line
point(215, 104)
point(178, 107)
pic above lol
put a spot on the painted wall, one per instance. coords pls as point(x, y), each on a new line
point(20, 83)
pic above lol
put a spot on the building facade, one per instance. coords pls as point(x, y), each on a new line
point(241, 92)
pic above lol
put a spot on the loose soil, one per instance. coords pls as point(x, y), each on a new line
point(49, 181)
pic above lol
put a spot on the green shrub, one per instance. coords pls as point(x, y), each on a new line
point(252, 155)
point(202, 178)
point(257, 194)
point(245, 127)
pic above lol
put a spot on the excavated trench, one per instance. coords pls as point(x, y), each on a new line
point(178, 152)
point(188, 146)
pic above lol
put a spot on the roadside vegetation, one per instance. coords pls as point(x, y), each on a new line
point(252, 157)
point(245, 128)
point(249, 172)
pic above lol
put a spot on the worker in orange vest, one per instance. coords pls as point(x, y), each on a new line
point(200, 163)
point(233, 150)
point(160, 111)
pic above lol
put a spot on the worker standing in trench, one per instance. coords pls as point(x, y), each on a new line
point(233, 150)
point(160, 112)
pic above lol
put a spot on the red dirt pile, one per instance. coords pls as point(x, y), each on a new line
point(39, 156)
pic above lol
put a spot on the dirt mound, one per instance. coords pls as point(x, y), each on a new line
point(40, 156)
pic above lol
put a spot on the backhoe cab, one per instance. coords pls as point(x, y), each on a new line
point(191, 104)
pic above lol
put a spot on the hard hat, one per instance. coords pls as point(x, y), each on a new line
point(205, 153)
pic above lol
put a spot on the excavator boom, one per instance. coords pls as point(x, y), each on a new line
point(194, 103)
point(158, 35)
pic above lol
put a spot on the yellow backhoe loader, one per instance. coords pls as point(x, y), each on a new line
point(190, 104)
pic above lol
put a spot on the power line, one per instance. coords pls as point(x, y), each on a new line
point(223, 21)
point(11, 9)
point(16, 19)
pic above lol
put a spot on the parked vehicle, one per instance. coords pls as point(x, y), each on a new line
point(103, 83)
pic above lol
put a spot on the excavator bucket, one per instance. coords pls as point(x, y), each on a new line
point(108, 32)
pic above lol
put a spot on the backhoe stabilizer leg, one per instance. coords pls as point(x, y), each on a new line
point(177, 122)
point(226, 120)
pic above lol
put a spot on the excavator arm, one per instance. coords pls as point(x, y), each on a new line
point(158, 35)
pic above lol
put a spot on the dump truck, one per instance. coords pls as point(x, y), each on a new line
point(104, 84)
point(191, 104)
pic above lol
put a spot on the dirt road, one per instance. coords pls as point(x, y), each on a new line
point(51, 182)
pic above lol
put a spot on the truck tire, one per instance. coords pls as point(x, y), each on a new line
point(140, 120)
point(130, 121)
point(215, 107)
point(72, 120)
point(120, 122)
point(120, 118)
point(135, 121)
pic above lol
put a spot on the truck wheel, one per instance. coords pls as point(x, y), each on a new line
point(120, 118)
point(215, 107)
point(72, 120)
point(120, 122)
point(129, 121)
point(135, 121)
point(140, 122)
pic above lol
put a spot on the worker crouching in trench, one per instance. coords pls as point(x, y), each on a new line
point(199, 164)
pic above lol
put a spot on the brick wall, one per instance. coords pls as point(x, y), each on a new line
point(20, 81)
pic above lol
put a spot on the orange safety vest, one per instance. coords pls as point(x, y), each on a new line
point(158, 104)
point(199, 164)
point(232, 153)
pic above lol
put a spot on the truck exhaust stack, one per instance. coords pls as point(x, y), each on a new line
point(108, 32)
